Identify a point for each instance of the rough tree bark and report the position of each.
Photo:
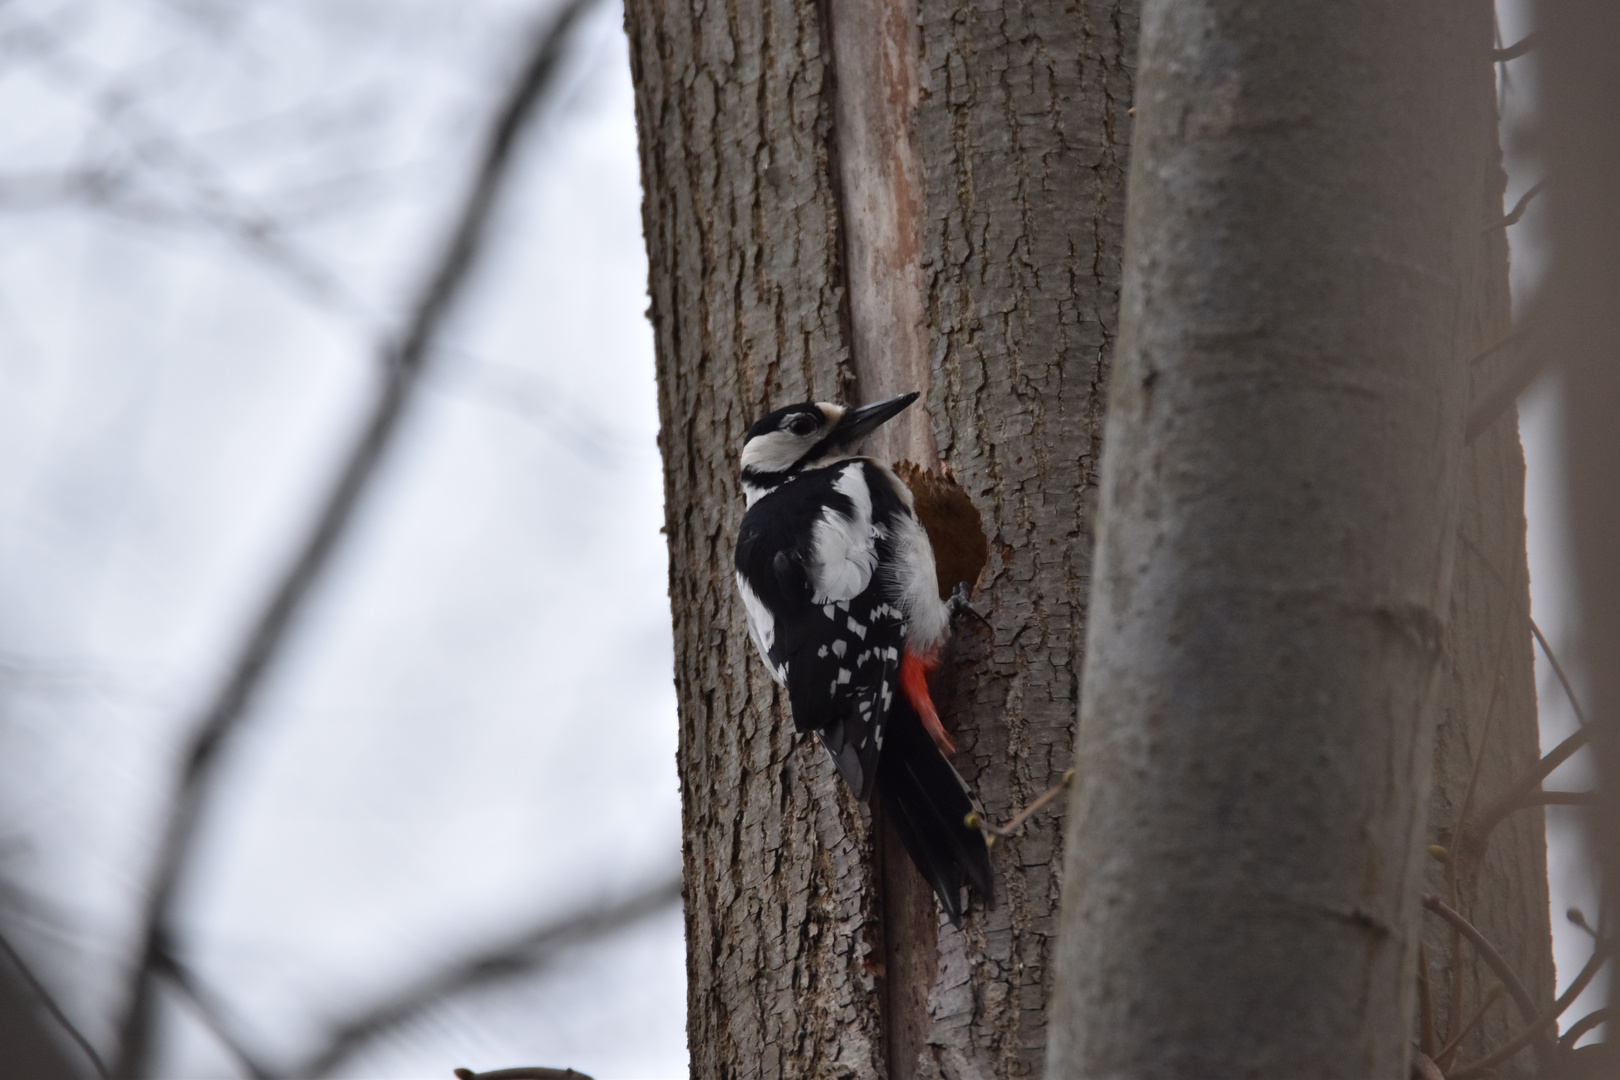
(806, 240)
(1287, 503)
(747, 310)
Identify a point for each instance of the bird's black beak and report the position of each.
(857, 424)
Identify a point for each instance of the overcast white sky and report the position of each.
(476, 727)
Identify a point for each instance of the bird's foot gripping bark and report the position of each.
(959, 605)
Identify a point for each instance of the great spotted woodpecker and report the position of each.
(838, 580)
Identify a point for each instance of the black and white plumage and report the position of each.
(837, 576)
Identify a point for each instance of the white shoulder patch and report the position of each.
(845, 547)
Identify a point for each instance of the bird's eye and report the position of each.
(801, 425)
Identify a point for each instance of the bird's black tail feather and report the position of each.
(929, 803)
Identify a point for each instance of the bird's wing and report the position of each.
(845, 672)
(837, 636)
(843, 678)
(843, 550)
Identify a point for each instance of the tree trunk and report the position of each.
(1578, 304)
(937, 207)
(1487, 736)
(1279, 622)
(1025, 142)
(783, 945)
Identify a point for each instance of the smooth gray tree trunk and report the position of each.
(1274, 636)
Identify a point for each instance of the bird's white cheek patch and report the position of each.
(774, 451)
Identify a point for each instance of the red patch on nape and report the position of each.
(914, 671)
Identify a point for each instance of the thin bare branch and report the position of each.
(1514, 51)
(1558, 670)
(974, 821)
(1447, 1052)
(1497, 346)
(1424, 1068)
(39, 991)
(1512, 217)
(1504, 971)
(1488, 407)
(1513, 798)
(571, 423)
(271, 630)
(1484, 738)
(1536, 1030)
(117, 193)
(522, 1073)
(512, 959)
(1568, 1039)
(148, 143)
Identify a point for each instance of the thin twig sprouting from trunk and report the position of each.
(1568, 1039)
(1424, 1068)
(1558, 670)
(1454, 1011)
(1449, 1051)
(991, 832)
(1497, 346)
(1426, 1039)
(1504, 971)
(1489, 406)
(1537, 1029)
(1519, 208)
(1514, 51)
(1513, 798)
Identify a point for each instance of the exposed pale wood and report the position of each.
(881, 205)
(879, 185)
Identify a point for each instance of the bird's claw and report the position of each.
(959, 605)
